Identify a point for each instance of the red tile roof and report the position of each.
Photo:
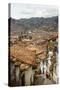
(22, 55)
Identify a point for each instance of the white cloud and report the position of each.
(32, 10)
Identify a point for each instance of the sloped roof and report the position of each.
(36, 48)
(40, 51)
(52, 36)
(24, 66)
(42, 56)
(22, 54)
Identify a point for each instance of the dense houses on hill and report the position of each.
(33, 56)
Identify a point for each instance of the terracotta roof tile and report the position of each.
(22, 54)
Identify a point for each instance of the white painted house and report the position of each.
(26, 60)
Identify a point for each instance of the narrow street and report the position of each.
(42, 80)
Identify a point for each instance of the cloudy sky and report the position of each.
(32, 10)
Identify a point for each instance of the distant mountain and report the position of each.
(24, 25)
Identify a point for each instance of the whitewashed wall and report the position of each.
(28, 76)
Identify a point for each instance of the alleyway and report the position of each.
(42, 80)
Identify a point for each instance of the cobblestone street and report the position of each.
(42, 80)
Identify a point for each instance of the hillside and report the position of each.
(34, 24)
